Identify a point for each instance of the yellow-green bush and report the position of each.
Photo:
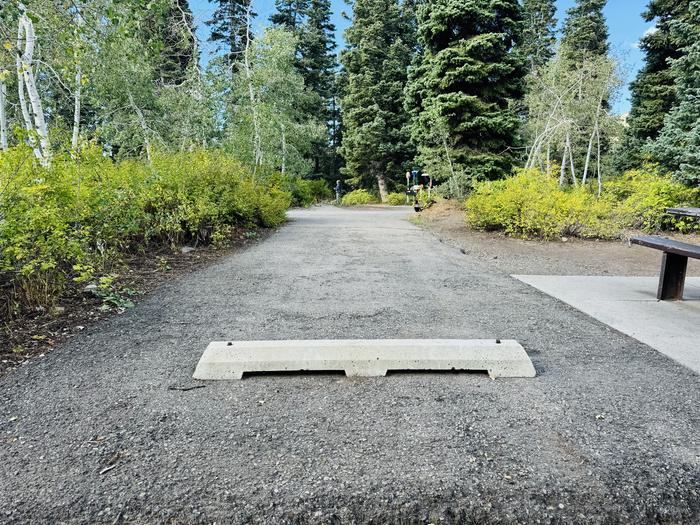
(358, 197)
(75, 219)
(531, 204)
(304, 192)
(396, 199)
(642, 197)
(320, 189)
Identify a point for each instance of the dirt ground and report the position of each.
(35, 333)
(571, 256)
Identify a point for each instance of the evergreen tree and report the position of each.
(228, 27)
(585, 30)
(653, 91)
(539, 32)
(317, 65)
(376, 145)
(317, 61)
(179, 47)
(310, 22)
(290, 14)
(461, 88)
(678, 144)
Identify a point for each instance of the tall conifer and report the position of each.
(539, 32)
(179, 50)
(376, 145)
(290, 14)
(653, 91)
(228, 27)
(678, 144)
(461, 88)
(585, 30)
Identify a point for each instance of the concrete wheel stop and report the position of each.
(367, 358)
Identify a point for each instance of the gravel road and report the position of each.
(609, 431)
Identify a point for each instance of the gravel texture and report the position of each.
(105, 430)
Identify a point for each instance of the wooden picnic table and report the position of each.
(674, 262)
(685, 212)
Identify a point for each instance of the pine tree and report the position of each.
(539, 33)
(376, 145)
(585, 30)
(310, 22)
(179, 43)
(653, 91)
(317, 65)
(290, 14)
(461, 88)
(228, 27)
(316, 49)
(678, 144)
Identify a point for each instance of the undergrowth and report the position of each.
(358, 197)
(532, 205)
(71, 223)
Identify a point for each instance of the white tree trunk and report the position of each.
(3, 117)
(257, 141)
(596, 131)
(77, 93)
(26, 80)
(284, 150)
(562, 173)
(383, 190)
(571, 159)
(584, 178)
(447, 154)
(600, 180)
(26, 117)
(76, 107)
(143, 124)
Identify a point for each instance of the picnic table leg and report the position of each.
(672, 279)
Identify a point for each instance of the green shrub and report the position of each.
(531, 204)
(358, 197)
(299, 189)
(320, 190)
(642, 197)
(304, 192)
(396, 199)
(74, 220)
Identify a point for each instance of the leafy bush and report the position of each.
(300, 190)
(531, 204)
(320, 190)
(74, 220)
(358, 197)
(304, 192)
(396, 199)
(643, 197)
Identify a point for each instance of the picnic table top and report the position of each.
(668, 245)
(687, 212)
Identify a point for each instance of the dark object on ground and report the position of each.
(186, 388)
(674, 263)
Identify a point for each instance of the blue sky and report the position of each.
(624, 21)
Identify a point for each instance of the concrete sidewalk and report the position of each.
(629, 305)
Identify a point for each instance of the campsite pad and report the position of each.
(629, 305)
